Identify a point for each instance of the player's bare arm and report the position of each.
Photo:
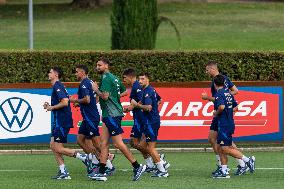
(205, 96)
(102, 95)
(63, 103)
(234, 90)
(85, 100)
(219, 110)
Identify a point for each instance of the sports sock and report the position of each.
(102, 168)
(149, 162)
(160, 166)
(224, 168)
(95, 159)
(109, 164)
(218, 160)
(62, 168)
(135, 165)
(245, 159)
(81, 157)
(240, 162)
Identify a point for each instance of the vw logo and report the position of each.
(16, 114)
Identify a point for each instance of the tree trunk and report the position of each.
(86, 3)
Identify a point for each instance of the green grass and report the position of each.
(207, 26)
(188, 170)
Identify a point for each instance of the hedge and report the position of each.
(24, 66)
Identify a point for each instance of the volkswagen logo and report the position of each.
(16, 114)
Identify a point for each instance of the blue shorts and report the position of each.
(151, 131)
(113, 125)
(137, 129)
(214, 124)
(224, 138)
(89, 128)
(60, 134)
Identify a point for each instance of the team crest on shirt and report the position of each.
(84, 87)
(138, 90)
(58, 90)
(146, 95)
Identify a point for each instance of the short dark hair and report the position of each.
(211, 63)
(145, 74)
(219, 80)
(58, 70)
(129, 72)
(105, 60)
(83, 67)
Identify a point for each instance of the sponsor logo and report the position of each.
(16, 113)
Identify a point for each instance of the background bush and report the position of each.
(162, 66)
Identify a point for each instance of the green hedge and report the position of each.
(163, 66)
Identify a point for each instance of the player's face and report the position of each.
(210, 70)
(79, 73)
(127, 79)
(101, 67)
(143, 81)
(52, 75)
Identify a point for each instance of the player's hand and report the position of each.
(45, 105)
(215, 113)
(95, 86)
(128, 109)
(204, 96)
(49, 108)
(72, 99)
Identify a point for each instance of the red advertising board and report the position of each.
(186, 117)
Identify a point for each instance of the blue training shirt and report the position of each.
(62, 117)
(89, 111)
(227, 85)
(137, 95)
(150, 98)
(226, 118)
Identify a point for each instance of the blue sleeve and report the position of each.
(139, 93)
(60, 92)
(147, 98)
(219, 101)
(158, 97)
(230, 83)
(85, 89)
(235, 103)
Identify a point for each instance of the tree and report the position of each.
(86, 3)
(135, 24)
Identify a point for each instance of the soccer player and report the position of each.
(88, 136)
(110, 90)
(224, 107)
(212, 70)
(137, 138)
(151, 120)
(62, 122)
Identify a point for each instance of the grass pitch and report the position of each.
(188, 170)
(206, 26)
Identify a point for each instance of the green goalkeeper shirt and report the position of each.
(112, 106)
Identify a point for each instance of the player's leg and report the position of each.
(62, 173)
(148, 159)
(248, 163)
(212, 138)
(151, 134)
(240, 162)
(114, 126)
(223, 171)
(101, 175)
